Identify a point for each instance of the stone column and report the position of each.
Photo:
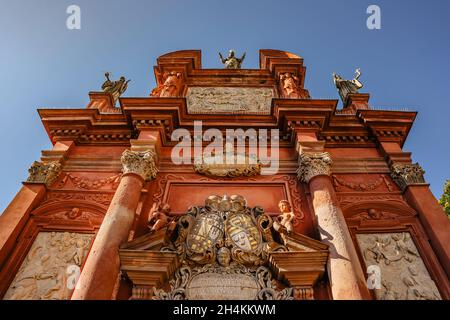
(346, 276)
(102, 266)
(409, 177)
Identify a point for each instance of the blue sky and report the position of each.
(45, 65)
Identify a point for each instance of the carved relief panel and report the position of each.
(51, 267)
(397, 267)
(229, 100)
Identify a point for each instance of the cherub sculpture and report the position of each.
(286, 217)
(159, 217)
(116, 88)
(231, 62)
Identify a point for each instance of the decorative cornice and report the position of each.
(141, 163)
(46, 173)
(313, 164)
(405, 174)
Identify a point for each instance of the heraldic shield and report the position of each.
(205, 233)
(242, 231)
(223, 222)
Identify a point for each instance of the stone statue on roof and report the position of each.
(231, 62)
(346, 87)
(116, 88)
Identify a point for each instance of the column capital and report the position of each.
(405, 174)
(142, 163)
(311, 164)
(45, 173)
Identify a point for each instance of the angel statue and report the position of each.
(231, 62)
(346, 87)
(116, 88)
(285, 218)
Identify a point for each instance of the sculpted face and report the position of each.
(284, 206)
(242, 241)
(373, 213)
(224, 257)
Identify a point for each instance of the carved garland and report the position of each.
(362, 186)
(88, 184)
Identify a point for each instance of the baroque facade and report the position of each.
(125, 207)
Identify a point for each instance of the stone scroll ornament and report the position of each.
(46, 173)
(405, 174)
(141, 163)
(224, 247)
(313, 164)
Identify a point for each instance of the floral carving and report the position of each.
(313, 164)
(141, 163)
(46, 173)
(406, 174)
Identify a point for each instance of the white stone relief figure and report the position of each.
(403, 272)
(389, 293)
(43, 274)
(402, 247)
